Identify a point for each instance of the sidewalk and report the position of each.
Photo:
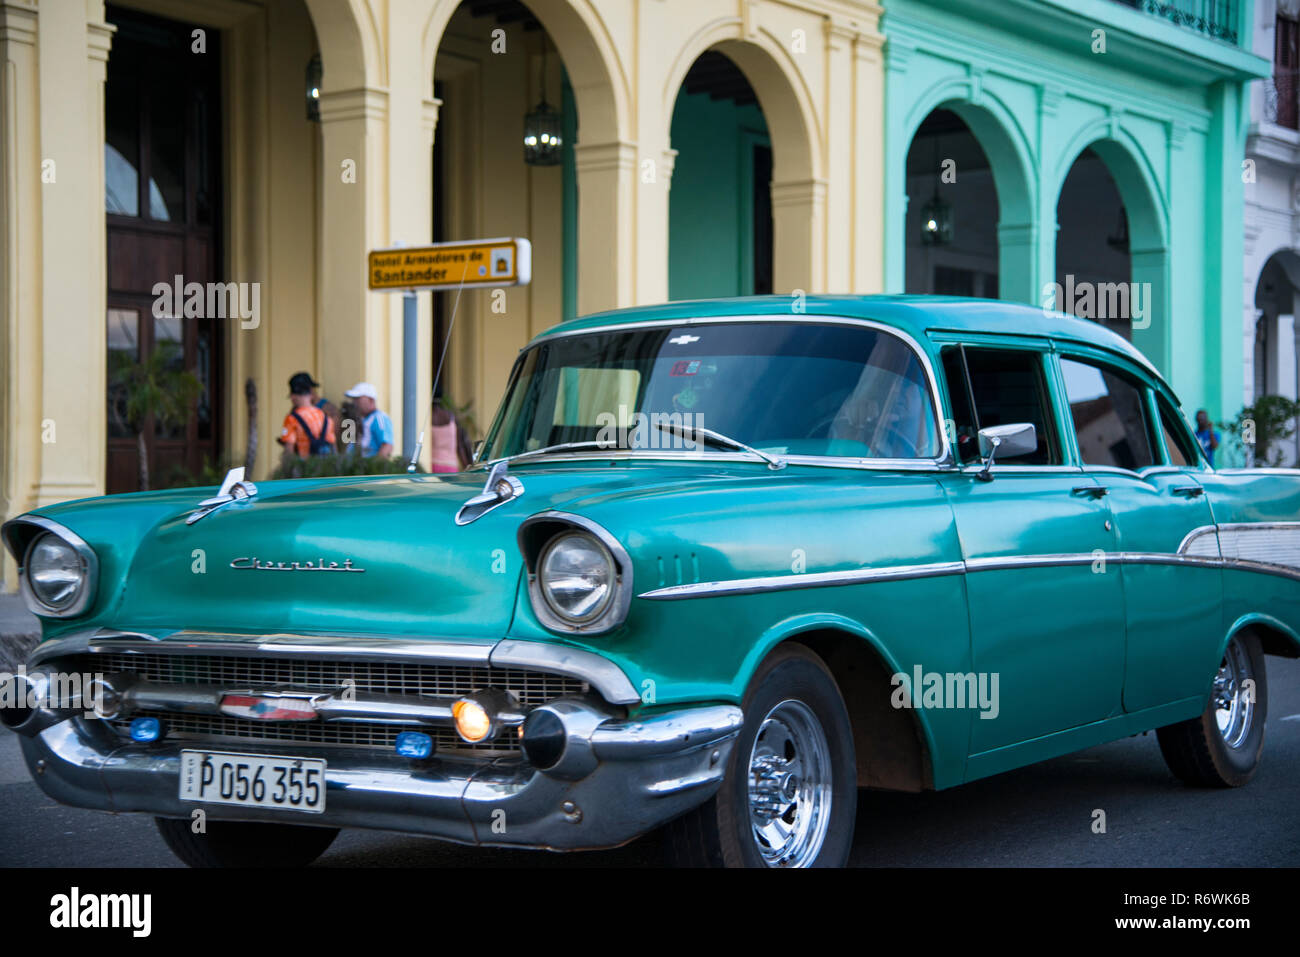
(19, 632)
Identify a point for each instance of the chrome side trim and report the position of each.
(851, 576)
(602, 674)
(855, 576)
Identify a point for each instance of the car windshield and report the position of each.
(787, 388)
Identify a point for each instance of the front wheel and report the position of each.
(1221, 748)
(789, 798)
(245, 843)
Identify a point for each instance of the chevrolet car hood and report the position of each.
(369, 555)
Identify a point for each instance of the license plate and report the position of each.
(256, 780)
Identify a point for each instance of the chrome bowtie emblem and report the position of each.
(683, 340)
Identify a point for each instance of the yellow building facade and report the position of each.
(117, 173)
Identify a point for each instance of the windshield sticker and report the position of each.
(686, 367)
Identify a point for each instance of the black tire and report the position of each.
(245, 843)
(1197, 751)
(720, 832)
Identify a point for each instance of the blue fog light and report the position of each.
(414, 744)
(146, 729)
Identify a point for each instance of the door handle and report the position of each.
(1092, 491)
(1190, 491)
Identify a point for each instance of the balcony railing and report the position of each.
(1214, 18)
(1282, 99)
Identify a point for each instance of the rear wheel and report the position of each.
(789, 798)
(245, 843)
(1221, 747)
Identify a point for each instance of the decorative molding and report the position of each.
(18, 22)
(593, 157)
(798, 193)
(359, 103)
(1050, 96)
(99, 40)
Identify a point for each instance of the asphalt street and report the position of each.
(1037, 816)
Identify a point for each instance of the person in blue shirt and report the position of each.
(1206, 435)
(376, 426)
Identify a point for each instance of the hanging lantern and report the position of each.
(936, 222)
(314, 74)
(543, 130)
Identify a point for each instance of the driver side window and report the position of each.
(999, 387)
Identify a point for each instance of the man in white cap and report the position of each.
(376, 426)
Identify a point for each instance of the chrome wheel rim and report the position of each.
(790, 786)
(1234, 695)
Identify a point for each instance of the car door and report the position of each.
(1132, 443)
(1043, 619)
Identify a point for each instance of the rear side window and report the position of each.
(1109, 416)
(999, 387)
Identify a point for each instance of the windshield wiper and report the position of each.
(562, 447)
(718, 439)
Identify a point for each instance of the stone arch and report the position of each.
(1000, 134)
(597, 75)
(604, 150)
(798, 174)
(1148, 226)
(349, 43)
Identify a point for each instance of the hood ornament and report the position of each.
(500, 487)
(233, 489)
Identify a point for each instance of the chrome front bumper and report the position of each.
(621, 778)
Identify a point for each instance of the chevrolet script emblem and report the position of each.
(320, 565)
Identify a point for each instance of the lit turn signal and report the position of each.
(473, 723)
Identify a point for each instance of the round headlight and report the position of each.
(576, 575)
(55, 572)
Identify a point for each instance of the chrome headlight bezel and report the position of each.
(23, 535)
(538, 536)
(609, 572)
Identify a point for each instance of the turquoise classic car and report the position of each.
(718, 566)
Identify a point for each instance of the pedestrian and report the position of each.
(376, 426)
(1206, 435)
(307, 429)
(449, 446)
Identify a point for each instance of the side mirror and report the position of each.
(1019, 438)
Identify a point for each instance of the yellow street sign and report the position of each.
(478, 262)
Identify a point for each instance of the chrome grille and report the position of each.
(531, 688)
(338, 734)
(316, 674)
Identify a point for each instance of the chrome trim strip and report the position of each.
(747, 586)
(943, 459)
(602, 674)
(89, 561)
(474, 652)
(851, 576)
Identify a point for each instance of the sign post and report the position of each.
(470, 264)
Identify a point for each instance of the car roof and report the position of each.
(916, 315)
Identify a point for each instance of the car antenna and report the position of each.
(446, 341)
